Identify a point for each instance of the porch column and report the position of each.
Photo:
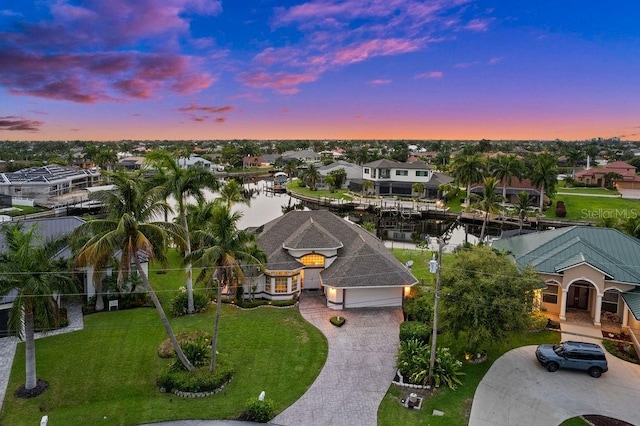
(598, 310)
(625, 315)
(563, 305)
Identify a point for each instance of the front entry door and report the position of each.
(578, 297)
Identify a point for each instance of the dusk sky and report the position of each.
(329, 69)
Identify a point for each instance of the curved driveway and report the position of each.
(359, 368)
(518, 391)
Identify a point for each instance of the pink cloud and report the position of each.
(373, 48)
(209, 109)
(477, 25)
(378, 82)
(466, 64)
(495, 60)
(13, 123)
(280, 81)
(431, 74)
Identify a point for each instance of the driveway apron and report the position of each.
(359, 368)
(518, 391)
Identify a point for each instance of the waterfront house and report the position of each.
(628, 179)
(352, 170)
(317, 250)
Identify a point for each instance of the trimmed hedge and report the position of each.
(258, 411)
(174, 377)
(415, 330)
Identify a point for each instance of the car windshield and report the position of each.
(558, 349)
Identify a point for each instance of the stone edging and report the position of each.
(183, 394)
(262, 306)
(408, 385)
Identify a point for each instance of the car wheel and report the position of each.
(595, 372)
(552, 366)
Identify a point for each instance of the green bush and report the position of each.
(258, 411)
(414, 330)
(201, 380)
(413, 363)
(419, 308)
(165, 350)
(538, 321)
(197, 351)
(179, 304)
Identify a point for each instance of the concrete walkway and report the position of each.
(8, 345)
(359, 368)
(518, 391)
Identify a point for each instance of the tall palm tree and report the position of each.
(468, 169)
(128, 228)
(27, 267)
(290, 168)
(574, 155)
(311, 176)
(224, 250)
(232, 192)
(544, 175)
(505, 168)
(489, 201)
(183, 183)
(367, 186)
(522, 207)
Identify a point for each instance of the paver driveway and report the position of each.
(518, 391)
(358, 371)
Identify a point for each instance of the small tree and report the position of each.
(486, 296)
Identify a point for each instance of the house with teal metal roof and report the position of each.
(585, 268)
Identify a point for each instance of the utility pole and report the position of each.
(435, 267)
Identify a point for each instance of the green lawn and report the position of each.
(455, 404)
(562, 187)
(105, 374)
(339, 194)
(24, 210)
(592, 208)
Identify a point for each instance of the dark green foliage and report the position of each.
(413, 363)
(197, 351)
(414, 330)
(486, 296)
(179, 304)
(337, 321)
(419, 308)
(258, 411)
(248, 304)
(200, 380)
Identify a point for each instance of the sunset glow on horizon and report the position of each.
(319, 69)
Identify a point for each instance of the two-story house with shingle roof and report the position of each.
(319, 250)
(393, 178)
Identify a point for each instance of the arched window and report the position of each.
(312, 260)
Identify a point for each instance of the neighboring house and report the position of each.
(513, 191)
(589, 269)
(304, 155)
(353, 171)
(252, 161)
(131, 163)
(319, 250)
(42, 183)
(193, 161)
(51, 228)
(270, 159)
(393, 178)
(596, 176)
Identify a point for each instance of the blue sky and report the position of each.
(381, 69)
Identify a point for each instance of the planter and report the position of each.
(338, 321)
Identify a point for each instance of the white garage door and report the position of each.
(372, 297)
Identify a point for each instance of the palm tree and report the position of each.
(367, 185)
(232, 192)
(290, 168)
(544, 175)
(574, 155)
(27, 267)
(311, 176)
(505, 168)
(522, 206)
(224, 250)
(106, 158)
(128, 228)
(489, 201)
(468, 169)
(630, 226)
(418, 188)
(181, 184)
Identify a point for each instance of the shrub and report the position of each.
(419, 308)
(258, 411)
(414, 330)
(538, 321)
(199, 380)
(179, 304)
(197, 351)
(165, 350)
(413, 363)
(561, 210)
(337, 321)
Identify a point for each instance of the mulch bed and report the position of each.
(41, 386)
(616, 336)
(605, 421)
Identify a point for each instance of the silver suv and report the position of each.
(575, 355)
